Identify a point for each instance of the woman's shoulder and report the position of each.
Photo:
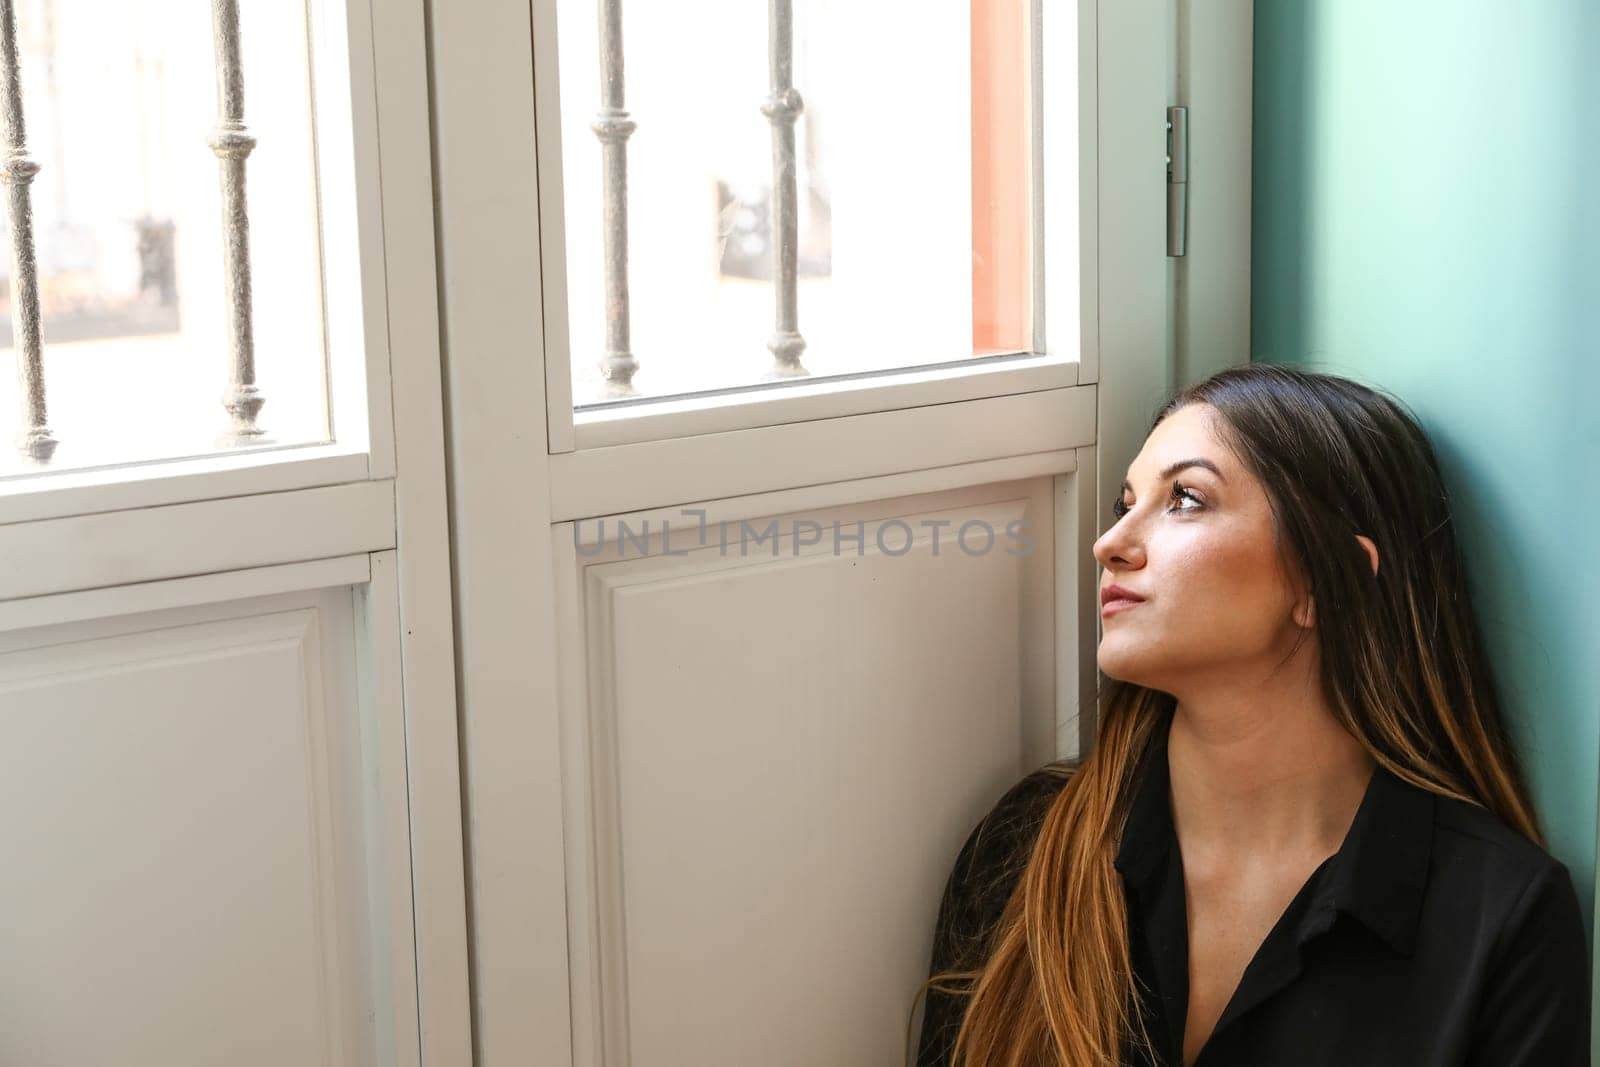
(1507, 905)
(1478, 854)
(1473, 840)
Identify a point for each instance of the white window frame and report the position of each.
(1056, 363)
(362, 295)
(150, 535)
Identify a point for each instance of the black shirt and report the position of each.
(1435, 935)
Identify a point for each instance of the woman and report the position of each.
(1303, 836)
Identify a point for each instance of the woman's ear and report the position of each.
(1372, 551)
(1305, 612)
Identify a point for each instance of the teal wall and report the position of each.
(1425, 181)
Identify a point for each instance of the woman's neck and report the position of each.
(1263, 774)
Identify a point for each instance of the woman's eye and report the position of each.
(1180, 493)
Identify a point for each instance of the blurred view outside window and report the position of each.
(913, 164)
(120, 101)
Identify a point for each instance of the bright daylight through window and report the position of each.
(827, 187)
(164, 161)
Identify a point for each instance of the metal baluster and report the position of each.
(232, 145)
(17, 171)
(613, 126)
(782, 109)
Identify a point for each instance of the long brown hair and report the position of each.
(1403, 669)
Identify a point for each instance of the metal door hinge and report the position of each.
(1177, 180)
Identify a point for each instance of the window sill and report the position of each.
(638, 421)
(52, 495)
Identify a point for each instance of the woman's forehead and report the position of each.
(1190, 433)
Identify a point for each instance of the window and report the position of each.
(193, 184)
(765, 195)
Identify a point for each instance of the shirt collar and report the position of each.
(1381, 872)
(1377, 877)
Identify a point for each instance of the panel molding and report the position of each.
(394, 816)
(589, 593)
(342, 615)
(39, 659)
(141, 597)
(1077, 615)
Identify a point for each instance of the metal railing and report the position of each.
(17, 171)
(232, 144)
(782, 106)
(613, 126)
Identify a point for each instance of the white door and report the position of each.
(228, 750)
(745, 652)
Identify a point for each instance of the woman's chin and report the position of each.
(1121, 663)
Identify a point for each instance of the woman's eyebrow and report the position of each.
(1182, 464)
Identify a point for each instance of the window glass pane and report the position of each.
(121, 103)
(913, 162)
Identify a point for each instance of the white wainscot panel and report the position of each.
(774, 752)
(185, 881)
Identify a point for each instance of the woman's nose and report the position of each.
(1117, 550)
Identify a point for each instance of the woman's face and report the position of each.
(1197, 544)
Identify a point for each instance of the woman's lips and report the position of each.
(1112, 607)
